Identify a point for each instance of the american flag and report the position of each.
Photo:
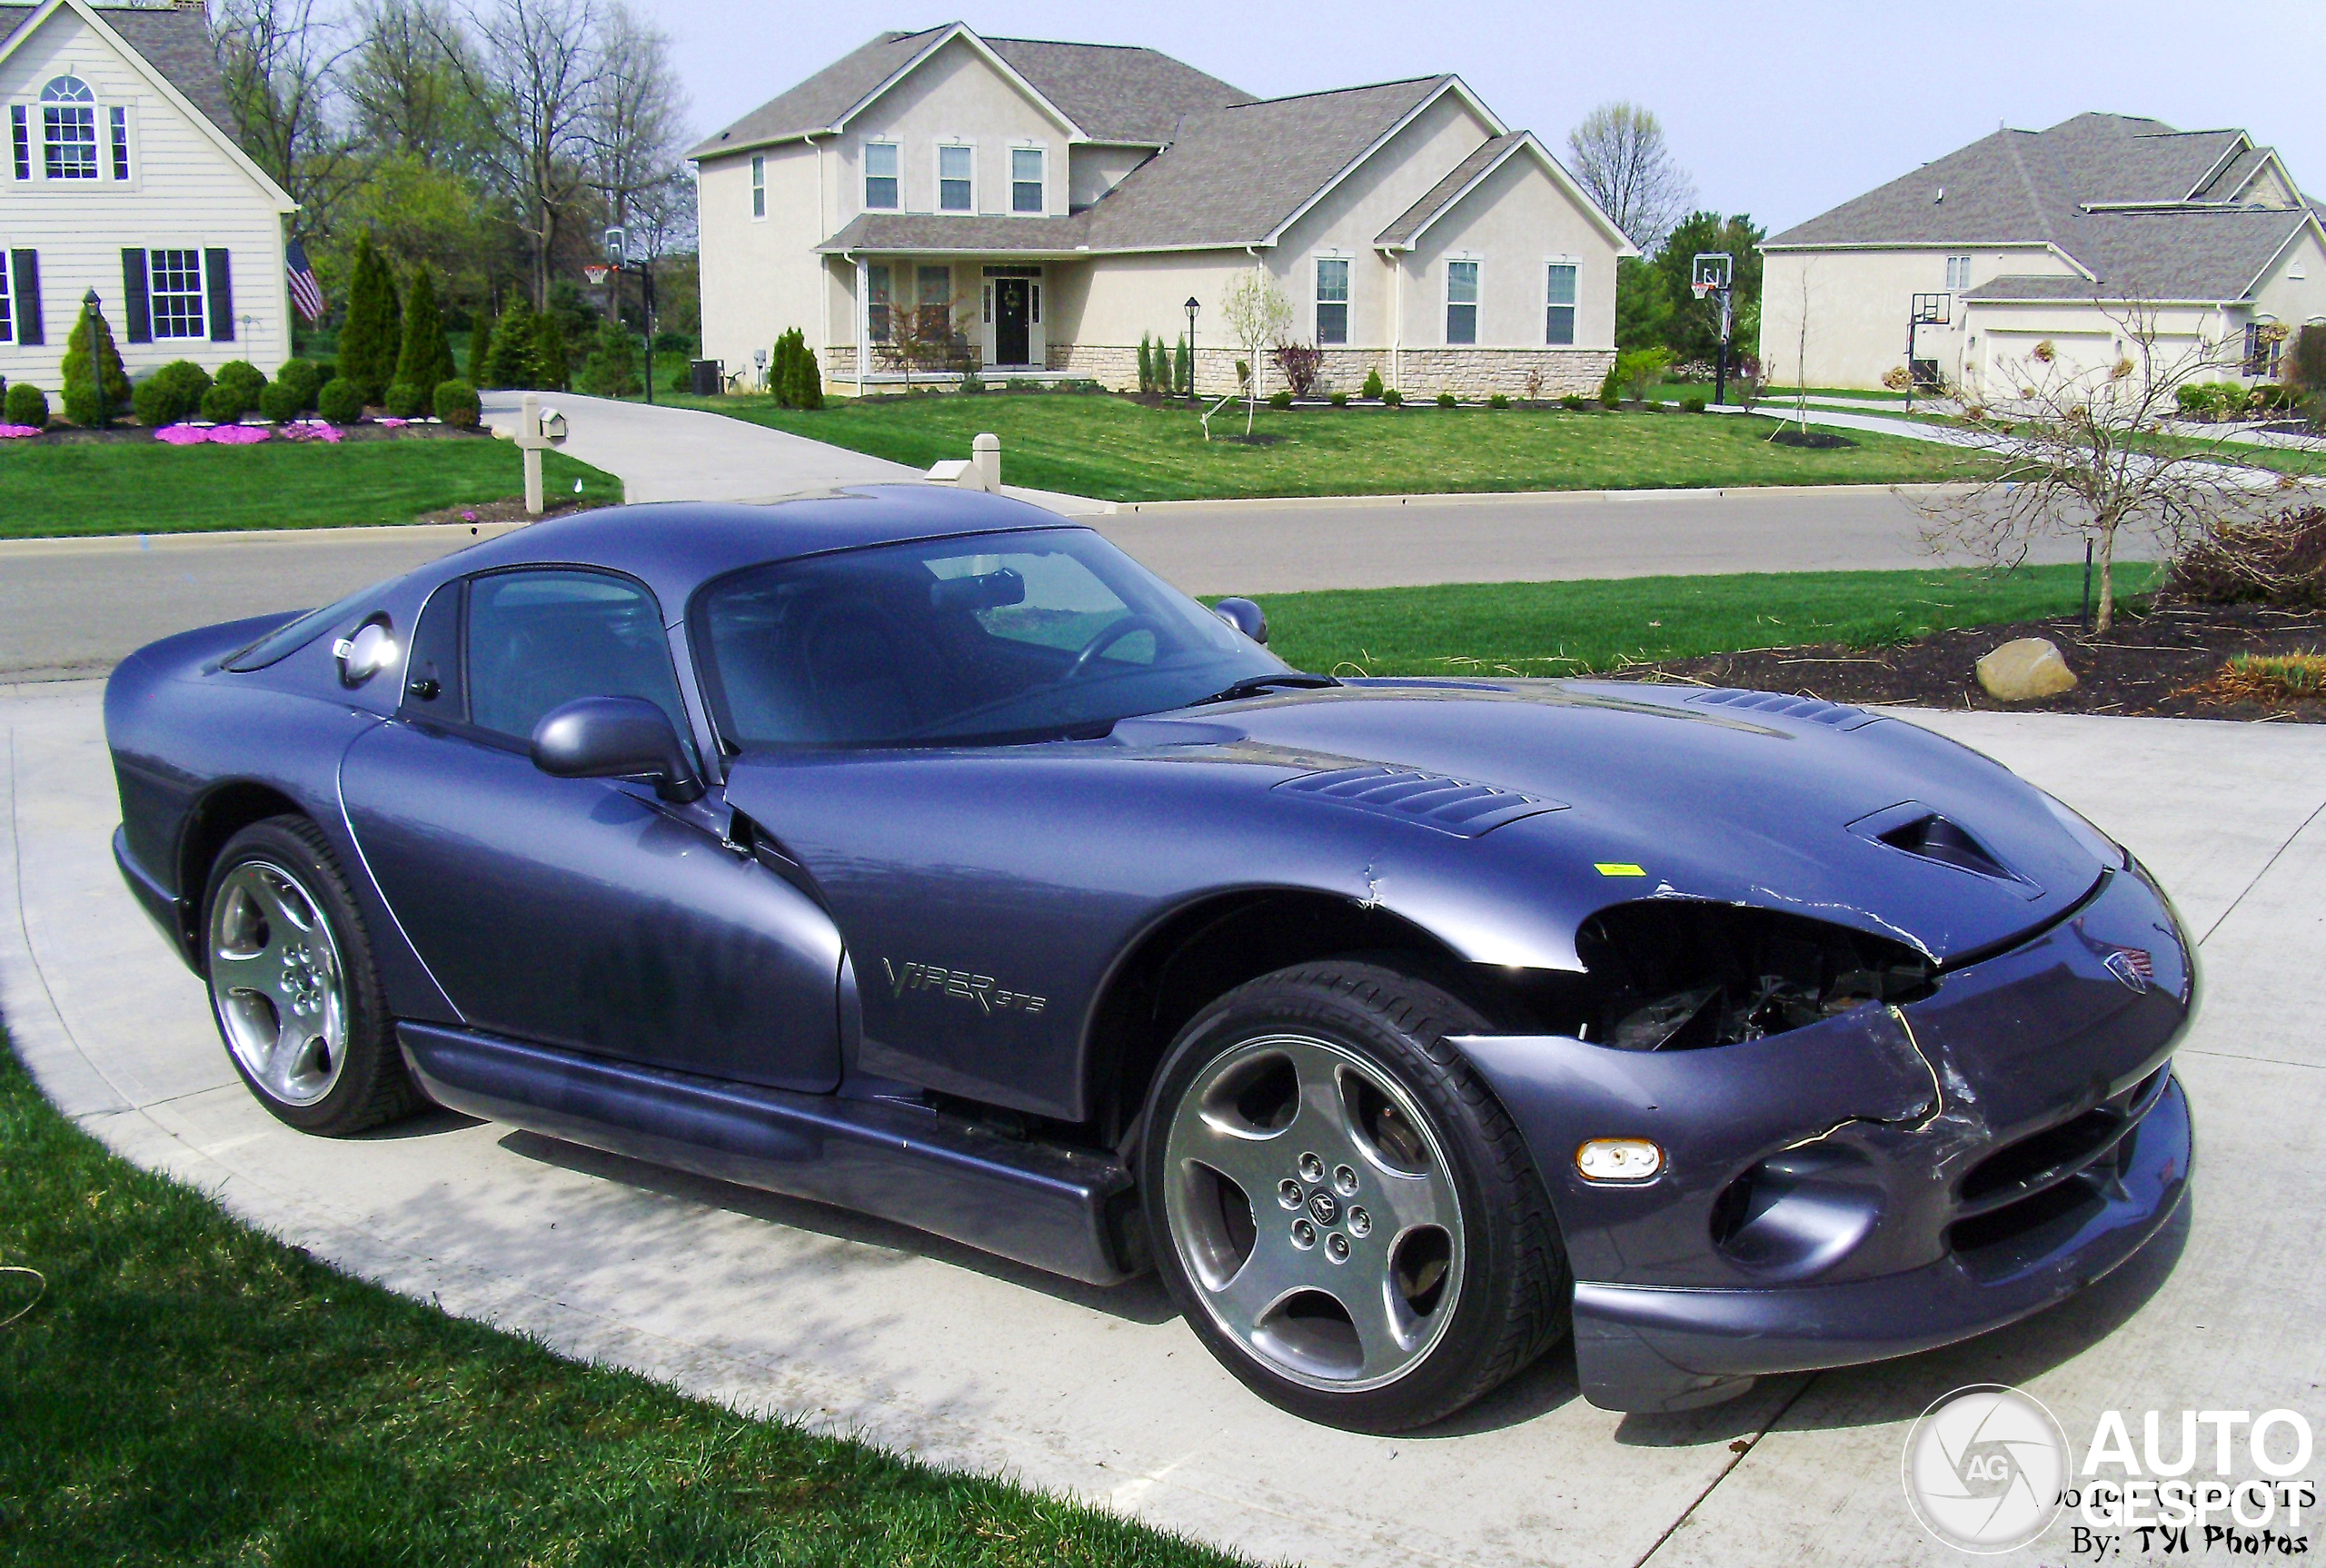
(306, 292)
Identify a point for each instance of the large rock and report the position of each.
(2025, 668)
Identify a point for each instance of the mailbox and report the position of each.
(552, 427)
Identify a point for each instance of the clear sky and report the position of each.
(1779, 108)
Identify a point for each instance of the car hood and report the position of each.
(1602, 792)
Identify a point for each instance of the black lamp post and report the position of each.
(96, 309)
(1192, 308)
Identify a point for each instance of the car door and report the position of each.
(581, 913)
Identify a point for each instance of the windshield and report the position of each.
(956, 641)
(284, 640)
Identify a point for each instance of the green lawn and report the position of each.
(1118, 450)
(188, 1391)
(148, 487)
(1573, 628)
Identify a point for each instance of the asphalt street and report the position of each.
(779, 1307)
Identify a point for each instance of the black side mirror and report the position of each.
(615, 737)
(1245, 617)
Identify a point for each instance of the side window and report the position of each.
(1027, 190)
(538, 639)
(758, 186)
(880, 175)
(1461, 301)
(1332, 299)
(1558, 313)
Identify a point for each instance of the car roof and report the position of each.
(674, 547)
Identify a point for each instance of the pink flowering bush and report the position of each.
(239, 434)
(18, 432)
(182, 434)
(310, 430)
(387, 422)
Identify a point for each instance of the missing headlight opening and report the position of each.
(1666, 975)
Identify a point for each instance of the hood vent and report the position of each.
(1839, 715)
(1916, 829)
(1453, 806)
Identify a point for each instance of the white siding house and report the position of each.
(120, 177)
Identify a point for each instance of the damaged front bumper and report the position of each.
(1878, 1183)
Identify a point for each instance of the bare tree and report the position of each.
(281, 62)
(409, 94)
(636, 126)
(538, 66)
(1258, 316)
(2094, 450)
(1619, 155)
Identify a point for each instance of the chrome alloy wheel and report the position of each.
(277, 984)
(1314, 1212)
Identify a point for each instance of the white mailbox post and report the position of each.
(537, 429)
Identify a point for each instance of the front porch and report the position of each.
(938, 320)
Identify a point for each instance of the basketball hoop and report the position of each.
(596, 274)
(1700, 290)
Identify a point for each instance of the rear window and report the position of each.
(287, 639)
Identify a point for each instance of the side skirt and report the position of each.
(1039, 1204)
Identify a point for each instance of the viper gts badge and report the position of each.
(978, 988)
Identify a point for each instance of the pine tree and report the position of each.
(480, 350)
(512, 364)
(370, 338)
(1184, 373)
(779, 377)
(426, 360)
(1146, 363)
(552, 361)
(92, 343)
(612, 368)
(807, 375)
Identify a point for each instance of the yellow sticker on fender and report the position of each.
(1621, 868)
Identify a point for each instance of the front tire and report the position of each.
(1344, 1215)
(293, 986)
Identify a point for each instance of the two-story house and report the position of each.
(123, 178)
(2068, 235)
(1046, 204)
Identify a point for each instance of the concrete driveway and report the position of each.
(777, 1307)
(684, 454)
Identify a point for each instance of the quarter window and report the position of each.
(68, 130)
(880, 175)
(758, 186)
(956, 180)
(1558, 313)
(119, 118)
(1461, 301)
(539, 640)
(1026, 180)
(1332, 299)
(174, 287)
(876, 303)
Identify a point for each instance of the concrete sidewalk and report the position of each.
(775, 1306)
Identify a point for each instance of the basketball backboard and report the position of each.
(1710, 270)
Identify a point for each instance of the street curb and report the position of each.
(444, 533)
(1525, 497)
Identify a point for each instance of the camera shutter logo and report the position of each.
(1984, 1468)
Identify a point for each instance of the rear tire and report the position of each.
(1342, 1210)
(293, 986)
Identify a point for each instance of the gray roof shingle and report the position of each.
(934, 234)
(2015, 187)
(1114, 92)
(175, 40)
(1435, 199)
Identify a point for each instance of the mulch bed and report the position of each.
(511, 510)
(2158, 663)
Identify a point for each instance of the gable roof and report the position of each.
(1105, 93)
(1408, 227)
(174, 41)
(2123, 200)
(181, 67)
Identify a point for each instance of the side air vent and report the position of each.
(1450, 805)
(1916, 829)
(1840, 715)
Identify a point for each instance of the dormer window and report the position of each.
(880, 175)
(68, 130)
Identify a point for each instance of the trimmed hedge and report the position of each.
(341, 400)
(26, 404)
(457, 404)
(171, 394)
(280, 403)
(404, 401)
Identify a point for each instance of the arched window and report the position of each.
(68, 129)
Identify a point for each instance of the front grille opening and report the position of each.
(1986, 1232)
(2029, 1157)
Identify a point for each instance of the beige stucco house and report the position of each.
(2025, 236)
(1049, 203)
(122, 176)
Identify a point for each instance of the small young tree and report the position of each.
(552, 362)
(373, 337)
(2094, 450)
(1258, 316)
(512, 362)
(779, 370)
(426, 356)
(480, 351)
(91, 361)
(612, 368)
(806, 376)
(1183, 372)
(1146, 362)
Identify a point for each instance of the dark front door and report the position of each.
(1012, 344)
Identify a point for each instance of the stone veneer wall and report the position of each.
(1471, 374)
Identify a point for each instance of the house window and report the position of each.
(8, 305)
(933, 294)
(173, 288)
(876, 304)
(1026, 180)
(956, 180)
(758, 186)
(1461, 301)
(120, 123)
(1958, 274)
(1332, 299)
(21, 136)
(68, 130)
(880, 175)
(1558, 308)
(2261, 348)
